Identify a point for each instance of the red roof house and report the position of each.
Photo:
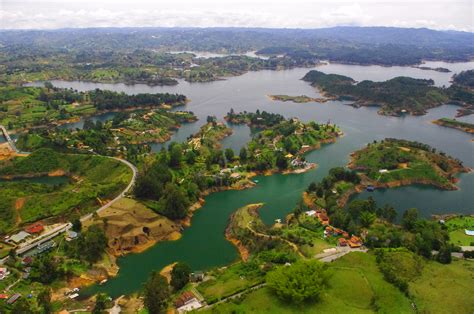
(36, 228)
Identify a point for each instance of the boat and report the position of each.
(370, 188)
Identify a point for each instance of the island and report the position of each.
(395, 162)
(455, 124)
(297, 99)
(394, 97)
(282, 143)
(27, 107)
(128, 133)
(439, 69)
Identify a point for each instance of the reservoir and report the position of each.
(203, 245)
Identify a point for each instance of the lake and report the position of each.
(203, 244)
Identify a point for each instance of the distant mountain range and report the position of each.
(362, 45)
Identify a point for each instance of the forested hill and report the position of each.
(365, 45)
(395, 96)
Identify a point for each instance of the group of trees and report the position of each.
(414, 95)
(89, 246)
(106, 100)
(157, 291)
(324, 188)
(302, 281)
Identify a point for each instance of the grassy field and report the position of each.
(445, 288)
(230, 280)
(93, 180)
(457, 227)
(356, 286)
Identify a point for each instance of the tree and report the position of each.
(88, 124)
(156, 294)
(304, 280)
(176, 154)
(409, 219)
(243, 154)
(77, 225)
(44, 300)
(21, 306)
(444, 254)
(45, 269)
(100, 303)
(175, 202)
(89, 246)
(229, 154)
(180, 275)
(367, 218)
(281, 161)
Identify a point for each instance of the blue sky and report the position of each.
(40, 14)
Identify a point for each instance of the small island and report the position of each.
(455, 124)
(297, 99)
(281, 143)
(438, 69)
(396, 96)
(394, 162)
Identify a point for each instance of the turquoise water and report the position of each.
(203, 244)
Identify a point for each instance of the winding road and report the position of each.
(121, 195)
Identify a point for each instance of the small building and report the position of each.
(383, 171)
(71, 235)
(3, 296)
(196, 276)
(323, 217)
(35, 228)
(310, 213)
(370, 188)
(355, 242)
(187, 302)
(46, 246)
(289, 156)
(469, 232)
(235, 175)
(19, 237)
(4, 272)
(27, 260)
(342, 242)
(14, 298)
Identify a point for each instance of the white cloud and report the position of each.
(440, 14)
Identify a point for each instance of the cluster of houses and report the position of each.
(38, 238)
(329, 231)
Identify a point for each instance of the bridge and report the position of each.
(9, 139)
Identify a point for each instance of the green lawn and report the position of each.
(229, 281)
(445, 288)
(457, 227)
(356, 286)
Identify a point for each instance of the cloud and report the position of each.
(30, 14)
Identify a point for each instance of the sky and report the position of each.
(52, 14)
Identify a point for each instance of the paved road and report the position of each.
(9, 139)
(121, 195)
(124, 192)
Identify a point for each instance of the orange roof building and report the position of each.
(36, 228)
(342, 242)
(355, 242)
(184, 299)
